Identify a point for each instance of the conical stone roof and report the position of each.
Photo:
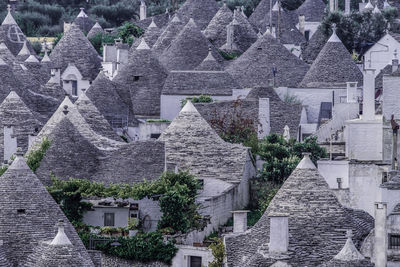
(3, 257)
(141, 82)
(75, 48)
(188, 49)
(192, 144)
(24, 53)
(6, 54)
(202, 11)
(209, 64)
(151, 34)
(9, 81)
(311, 50)
(258, 17)
(255, 66)
(317, 222)
(95, 30)
(173, 28)
(103, 94)
(12, 35)
(313, 10)
(83, 21)
(333, 67)
(29, 214)
(216, 29)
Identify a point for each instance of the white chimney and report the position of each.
(143, 10)
(239, 221)
(380, 234)
(352, 92)
(264, 126)
(347, 10)
(55, 76)
(369, 95)
(278, 234)
(10, 143)
(395, 64)
(302, 24)
(333, 5)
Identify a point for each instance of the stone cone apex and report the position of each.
(349, 252)
(376, 10)
(12, 95)
(82, 13)
(175, 19)
(61, 238)
(24, 50)
(97, 25)
(32, 58)
(19, 162)
(153, 24)
(189, 108)
(386, 4)
(369, 6)
(306, 162)
(9, 19)
(143, 45)
(46, 57)
(276, 7)
(334, 38)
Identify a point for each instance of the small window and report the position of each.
(384, 177)
(74, 88)
(134, 215)
(136, 78)
(307, 35)
(21, 211)
(109, 219)
(155, 136)
(394, 241)
(195, 261)
(339, 183)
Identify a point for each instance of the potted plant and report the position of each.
(133, 224)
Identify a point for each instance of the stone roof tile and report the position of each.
(216, 29)
(313, 10)
(168, 35)
(202, 11)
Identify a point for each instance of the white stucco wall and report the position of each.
(294, 49)
(264, 118)
(364, 139)
(10, 143)
(391, 96)
(381, 54)
(146, 129)
(96, 217)
(182, 257)
(72, 71)
(331, 170)
(312, 98)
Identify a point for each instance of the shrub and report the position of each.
(218, 251)
(36, 155)
(197, 99)
(37, 46)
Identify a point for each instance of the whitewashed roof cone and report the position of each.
(334, 38)
(97, 25)
(46, 57)
(306, 162)
(143, 45)
(189, 107)
(376, 10)
(61, 238)
(349, 251)
(9, 19)
(24, 50)
(153, 24)
(386, 4)
(32, 58)
(369, 6)
(82, 14)
(175, 19)
(276, 6)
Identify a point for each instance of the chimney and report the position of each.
(278, 234)
(369, 95)
(55, 76)
(239, 221)
(347, 9)
(361, 6)
(230, 35)
(67, 26)
(352, 92)
(143, 10)
(333, 5)
(380, 234)
(10, 143)
(264, 126)
(395, 62)
(302, 24)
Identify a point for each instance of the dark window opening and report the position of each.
(394, 241)
(195, 261)
(155, 136)
(384, 177)
(307, 35)
(21, 211)
(201, 183)
(109, 219)
(134, 215)
(75, 88)
(136, 78)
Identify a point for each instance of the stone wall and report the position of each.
(111, 261)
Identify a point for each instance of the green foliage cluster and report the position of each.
(36, 155)
(229, 56)
(177, 193)
(197, 99)
(218, 251)
(144, 247)
(281, 157)
(127, 33)
(359, 30)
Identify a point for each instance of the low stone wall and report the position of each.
(111, 261)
